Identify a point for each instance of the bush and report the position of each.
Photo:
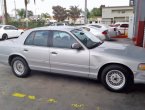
(31, 24)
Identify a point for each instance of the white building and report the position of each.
(116, 14)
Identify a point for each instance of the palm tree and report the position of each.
(5, 12)
(21, 13)
(26, 3)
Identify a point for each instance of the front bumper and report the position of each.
(139, 77)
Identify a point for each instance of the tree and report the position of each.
(95, 12)
(60, 13)
(88, 14)
(5, 13)
(21, 13)
(30, 13)
(45, 15)
(74, 12)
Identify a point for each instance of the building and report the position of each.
(116, 14)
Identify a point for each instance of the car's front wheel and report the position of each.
(20, 67)
(117, 78)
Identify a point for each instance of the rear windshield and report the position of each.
(97, 26)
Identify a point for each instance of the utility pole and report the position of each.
(26, 9)
(2, 11)
(15, 9)
(85, 20)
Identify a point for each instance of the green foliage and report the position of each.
(45, 15)
(74, 12)
(32, 24)
(88, 14)
(60, 13)
(95, 12)
(22, 13)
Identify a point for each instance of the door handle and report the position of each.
(25, 50)
(53, 53)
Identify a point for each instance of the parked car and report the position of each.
(122, 27)
(9, 31)
(72, 51)
(113, 31)
(101, 34)
(59, 24)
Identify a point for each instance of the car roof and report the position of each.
(66, 28)
(89, 26)
(4, 25)
(122, 23)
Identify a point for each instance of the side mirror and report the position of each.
(76, 46)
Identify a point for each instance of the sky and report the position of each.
(43, 6)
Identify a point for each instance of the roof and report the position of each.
(118, 7)
(67, 28)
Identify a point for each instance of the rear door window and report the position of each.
(38, 38)
(7, 28)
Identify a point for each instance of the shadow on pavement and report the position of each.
(137, 88)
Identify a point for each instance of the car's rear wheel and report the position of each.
(117, 78)
(4, 36)
(20, 67)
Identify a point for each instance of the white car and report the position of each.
(9, 31)
(73, 51)
(59, 24)
(122, 27)
(101, 34)
(113, 31)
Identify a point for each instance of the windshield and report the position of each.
(88, 39)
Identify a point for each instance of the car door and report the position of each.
(64, 59)
(16, 32)
(36, 50)
(8, 31)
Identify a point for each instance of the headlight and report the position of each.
(141, 66)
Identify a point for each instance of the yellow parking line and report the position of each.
(51, 100)
(31, 97)
(19, 95)
(77, 105)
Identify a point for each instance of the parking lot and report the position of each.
(48, 91)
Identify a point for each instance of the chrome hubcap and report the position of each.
(18, 67)
(115, 79)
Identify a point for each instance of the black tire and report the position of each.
(4, 36)
(125, 78)
(108, 38)
(24, 65)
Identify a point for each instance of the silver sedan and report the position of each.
(72, 51)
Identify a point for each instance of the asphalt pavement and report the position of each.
(48, 91)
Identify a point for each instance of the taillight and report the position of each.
(105, 32)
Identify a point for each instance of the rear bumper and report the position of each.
(139, 77)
